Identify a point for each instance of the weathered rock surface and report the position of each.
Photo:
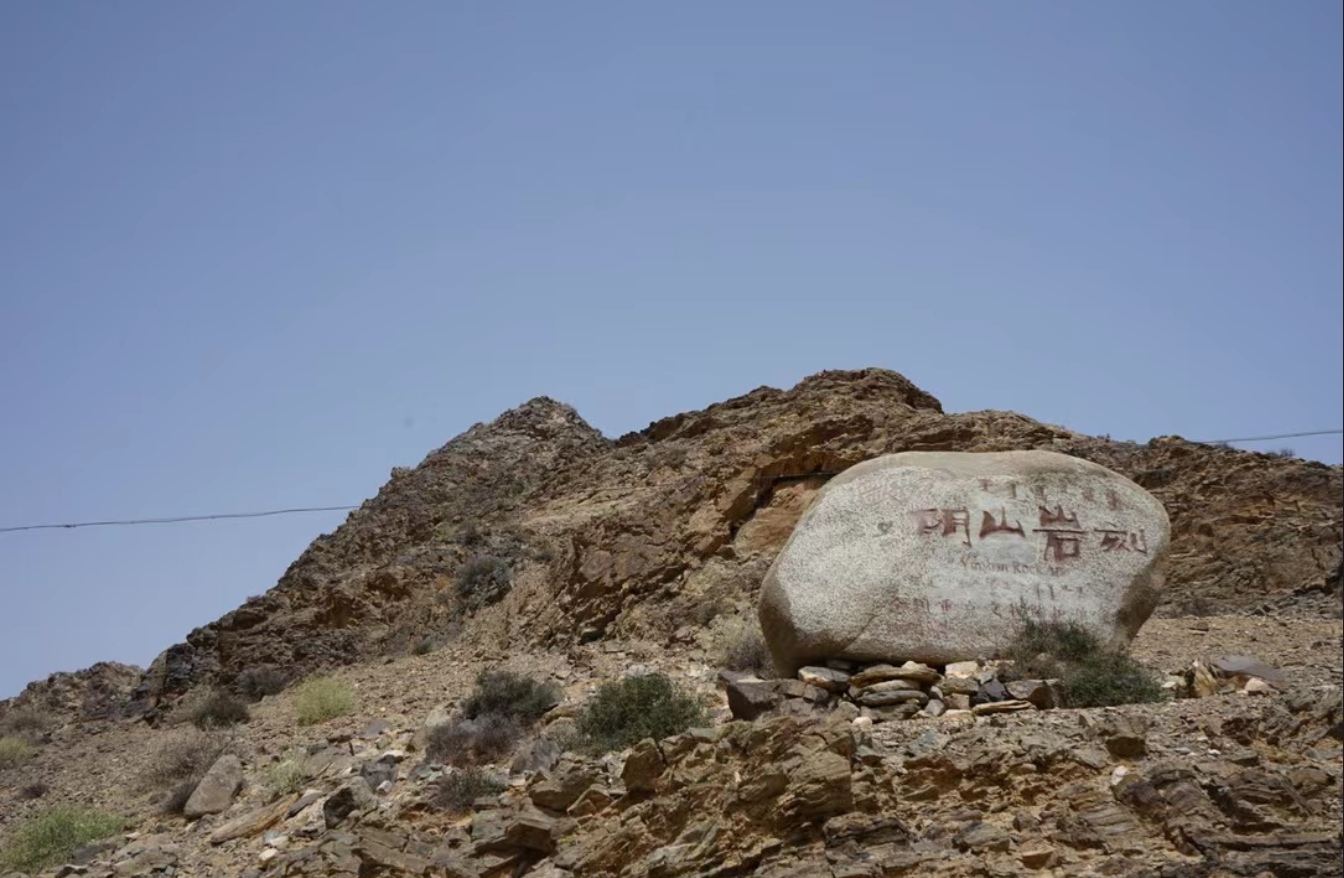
(935, 556)
(611, 551)
(706, 499)
(216, 790)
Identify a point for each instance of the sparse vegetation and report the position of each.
(742, 648)
(634, 708)
(176, 800)
(456, 792)
(49, 837)
(423, 646)
(465, 742)
(1061, 641)
(499, 710)
(218, 709)
(707, 612)
(1282, 452)
(1090, 675)
(288, 775)
(506, 694)
(482, 580)
(1105, 679)
(256, 683)
(26, 723)
(35, 790)
(14, 752)
(186, 756)
(319, 699)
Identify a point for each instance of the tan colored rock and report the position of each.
(1257, 686)
(961, 669)
(643, 766)
(825, 678)
(1036, 855)
(821, 786)
(973, 536)
(1010, 706)
(254, 822)
(216, 790)
(915, 672)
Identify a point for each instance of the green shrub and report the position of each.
(510, 695)
(482, 580)
(1090, 675)
(456, 792)
(14, 752)
(28, 723)
(288, 775)
(319, 699)
(634, 708)
(256, 683)
(1108, 679)
(49, 837)
(487, 738)
(218, 709)
(1064, 641)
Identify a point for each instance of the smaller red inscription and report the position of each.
(1123, 540)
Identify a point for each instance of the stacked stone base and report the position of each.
(885, 692)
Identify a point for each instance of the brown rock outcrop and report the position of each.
(572, 537)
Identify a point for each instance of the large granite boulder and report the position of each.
(939, 556)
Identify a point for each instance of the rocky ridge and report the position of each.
(603, 538)
(591, 559)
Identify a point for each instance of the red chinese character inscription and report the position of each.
(945, 522)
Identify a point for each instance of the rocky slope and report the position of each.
(533, 543)
(1230, 785)
(595, 538)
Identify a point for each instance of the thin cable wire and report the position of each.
(1277, 436)
(129, 522)
(177, 519)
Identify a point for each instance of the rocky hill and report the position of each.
(573, 537)
(533, 544)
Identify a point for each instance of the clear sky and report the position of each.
(256, 254)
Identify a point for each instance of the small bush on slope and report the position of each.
(288, 775)
(49, 837)
(499, 710)
(218, 709)
(256, 683)
(14, 752)
(319, 699)
(27, 723)
(456, 792)
(482, 580)
(510, 695)
(463, 742)
(743, 649)
(634, 708)
(1091, 676)
(179, 764)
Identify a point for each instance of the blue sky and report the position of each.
(255, 255)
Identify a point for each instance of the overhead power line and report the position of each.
(178, 519)
(1276, 436)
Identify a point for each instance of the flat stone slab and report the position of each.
(938, 557)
